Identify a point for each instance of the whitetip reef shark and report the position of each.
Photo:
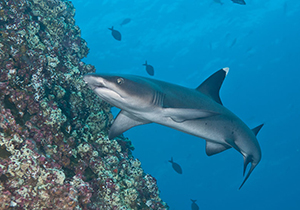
(198, 112)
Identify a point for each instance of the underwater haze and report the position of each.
(186, 41)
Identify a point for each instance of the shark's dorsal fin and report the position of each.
(123, 122)
(214, 148)
(257, 129)
(211, 86)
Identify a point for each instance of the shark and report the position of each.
(198, 112)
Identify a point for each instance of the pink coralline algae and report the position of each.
(54, 149)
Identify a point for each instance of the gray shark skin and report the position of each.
(198, 112)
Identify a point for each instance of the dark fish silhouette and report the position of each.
(116, 34)
(149, 69)
(175, 166)
(125, 21)
(242, 2)
(194, 206)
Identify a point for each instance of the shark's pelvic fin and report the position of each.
(180, 114)
(215, 148)
(211, 86)
(123, 122)
(257, 129)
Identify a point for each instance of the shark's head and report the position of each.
(124, 92)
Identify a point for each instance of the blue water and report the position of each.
(186, 41)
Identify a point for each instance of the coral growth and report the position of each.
(54, 149)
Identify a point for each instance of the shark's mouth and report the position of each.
(94, 82)
(99, 86)
(106, 93)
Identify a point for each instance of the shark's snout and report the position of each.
(94, 81)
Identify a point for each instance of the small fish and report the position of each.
(116, 34)
(242, 2)
(219, 2)
(125, 21)
(175, 166)
(149, 69)
(194, 206)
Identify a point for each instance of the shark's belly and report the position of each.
(221, 129)
(215, 128)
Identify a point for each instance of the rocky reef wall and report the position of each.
(54, 149)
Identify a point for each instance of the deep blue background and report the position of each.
(186, 41)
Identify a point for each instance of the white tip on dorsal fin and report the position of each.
(211, 86)
(226, 69)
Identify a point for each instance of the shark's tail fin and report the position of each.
(247, 160)
(112, 28)
(193, 200)
(171, 161)
(145, 64)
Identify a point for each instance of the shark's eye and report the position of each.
(120, 80)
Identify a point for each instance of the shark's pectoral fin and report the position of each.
(180, 114)
(123, 122)
(215, 148)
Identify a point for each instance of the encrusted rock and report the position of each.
(54, 149)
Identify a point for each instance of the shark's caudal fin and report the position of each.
(211, 86)
(248, 159)
(249, 172)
